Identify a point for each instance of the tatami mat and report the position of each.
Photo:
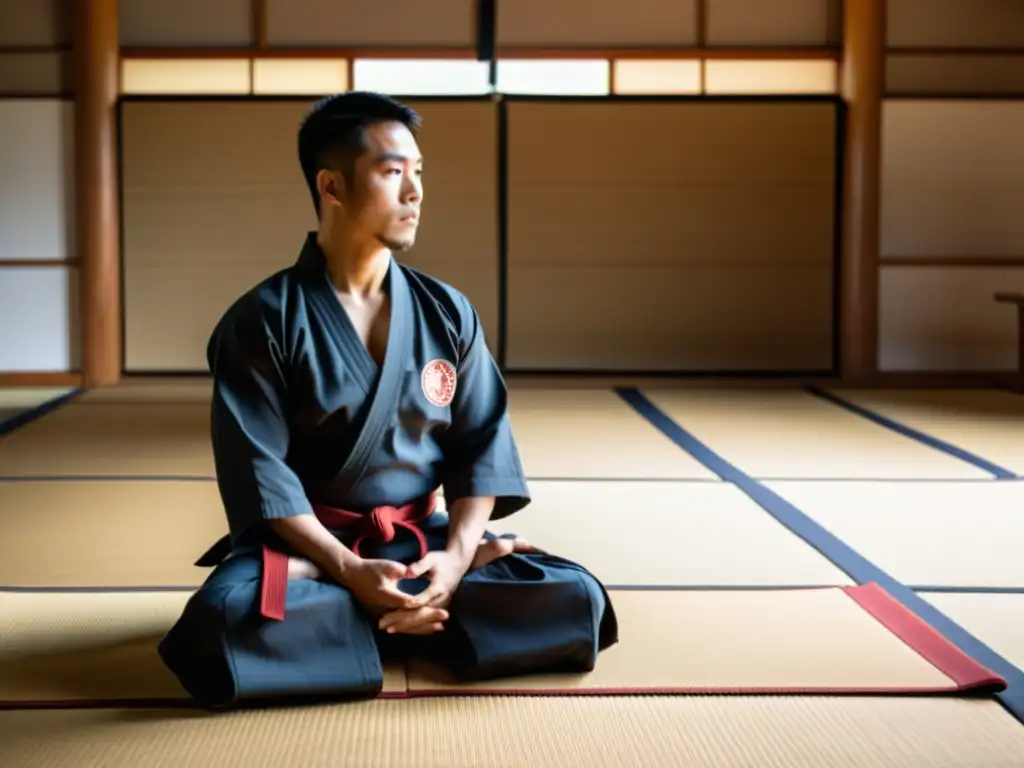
(593, 434)
(813, 640)
(988, 423)
(581, 732)
(792, 434)
(162, 429)
(90, 648)
(125, 533)
(673, 533)
(112, 439)
(101, 533)
(153, 390)
(924, 533)
(16, 401)
(64, 647)
(995, 619)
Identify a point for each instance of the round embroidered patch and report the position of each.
(438, 382)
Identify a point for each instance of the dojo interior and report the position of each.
(754, 270)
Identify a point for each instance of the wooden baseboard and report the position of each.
(40, 379)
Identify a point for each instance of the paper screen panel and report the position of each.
(590, 23)
(223, 205)
(968, 23)
(356, 23)
(953, 178)
(945, 319)
(39, 319)
(935, 75)
(686, 236)
(37, 171)
(157, 23)
(774, 22)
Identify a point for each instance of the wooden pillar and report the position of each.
(97, 60)
(863, 88)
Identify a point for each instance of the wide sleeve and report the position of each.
(481, 455)
(249, 425)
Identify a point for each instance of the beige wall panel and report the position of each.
(357, 23)
(694, 211)
(186, 23)
(935, 23)
(608, 23)
(222, 205)
(944, 319)
(36, 74)
(774, 22)
(35, 22)
(953, 178)
(938, 75)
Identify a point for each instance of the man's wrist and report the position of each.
(462, 550)
(342, 565)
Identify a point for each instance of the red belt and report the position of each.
(380, 523)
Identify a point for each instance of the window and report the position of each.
(650, 76)
(188, 76)
(300, 76)
(554, 77)
(754, 77)
(411, 77)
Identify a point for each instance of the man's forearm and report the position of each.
(312, 540)
(467, 523)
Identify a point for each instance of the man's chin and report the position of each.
(398, 245)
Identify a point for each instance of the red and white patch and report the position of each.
(438, 381)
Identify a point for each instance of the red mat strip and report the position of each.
(912, 630)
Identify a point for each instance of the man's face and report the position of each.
(387, 187)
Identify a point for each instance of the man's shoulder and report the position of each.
(267, 298)
(449, 299)
(259, 310)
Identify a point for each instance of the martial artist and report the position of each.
(347, 389)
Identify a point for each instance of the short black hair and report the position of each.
(333, 134)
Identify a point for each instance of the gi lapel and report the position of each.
(386, 395)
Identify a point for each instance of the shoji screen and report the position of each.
(671, 235)
(214, 201)
(952, 190)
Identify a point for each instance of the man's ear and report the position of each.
(331, 187)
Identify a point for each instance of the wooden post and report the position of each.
(863, 88)
(97, 60)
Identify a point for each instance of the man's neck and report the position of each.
(355, 270)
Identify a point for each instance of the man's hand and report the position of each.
(431, 617)
(444, 571)
(374, 584)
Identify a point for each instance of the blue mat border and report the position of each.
(841, 555)
(26, 417)
(1000, 473)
